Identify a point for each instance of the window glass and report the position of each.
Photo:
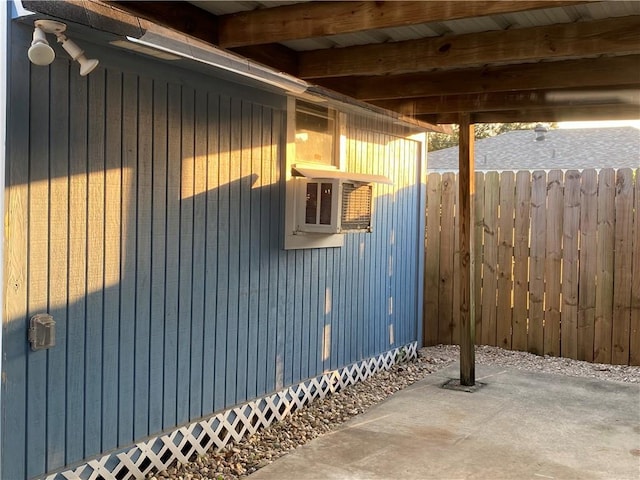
(318, 203)
(315, 133)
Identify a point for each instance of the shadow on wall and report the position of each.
(133, 221)
(148, 221)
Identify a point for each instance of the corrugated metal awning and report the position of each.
(340, 175)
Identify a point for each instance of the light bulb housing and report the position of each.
(86, 65)
(40, 53)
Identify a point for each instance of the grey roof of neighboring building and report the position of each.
(616, 147)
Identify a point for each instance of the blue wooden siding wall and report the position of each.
(145, 213)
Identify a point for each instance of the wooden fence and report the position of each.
(556, 263)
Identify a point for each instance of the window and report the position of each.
(323, 201)
(319, 197)
(315, 134)
(320, 200)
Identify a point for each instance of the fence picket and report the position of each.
(489, 281)
(604, 259)
(634, 326)
(553, 265)
(447, 245)
(569, 317)
(587, 269)
(535, 334)
(432, 259)
(521, 260)
(622, 272)
(478, 253)
(454, 326)
(505, 260)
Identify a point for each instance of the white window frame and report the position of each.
(301, 225)
(293, 238)
(298, 233)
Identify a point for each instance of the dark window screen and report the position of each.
(325, 204)
(312, 203)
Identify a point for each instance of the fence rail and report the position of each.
(556, 263)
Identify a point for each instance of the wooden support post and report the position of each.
(466, 182)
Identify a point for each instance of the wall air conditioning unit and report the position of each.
(333, 201)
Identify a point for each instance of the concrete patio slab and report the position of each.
(520, 425)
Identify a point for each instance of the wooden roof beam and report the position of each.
(317, 19)
(486, 102)
(593, 72)
(274, 55)
(181, 16)
(612, 36)
(561, 113)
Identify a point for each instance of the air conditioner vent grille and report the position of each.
(356, 207)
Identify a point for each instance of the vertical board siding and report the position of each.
(222, 298)
(112, 241)
(172, 255)
(157, 250)
(185, 256)
(149, 223)
(567, 263)
(143, 260)
(198, 280)
(258, 308)
(38, 266)
(243, 202)
(211, 159)
(58, 278)
(76, 296)
(14, 394)
(128, 236)
(95, 258)
(233, 274)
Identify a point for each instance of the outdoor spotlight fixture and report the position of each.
(40, 53)
(86, 65)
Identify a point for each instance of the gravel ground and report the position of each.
(241, 459)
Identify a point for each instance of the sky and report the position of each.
(601, 124)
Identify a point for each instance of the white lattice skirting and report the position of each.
(158, 453)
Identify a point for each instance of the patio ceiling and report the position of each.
(497, 61)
